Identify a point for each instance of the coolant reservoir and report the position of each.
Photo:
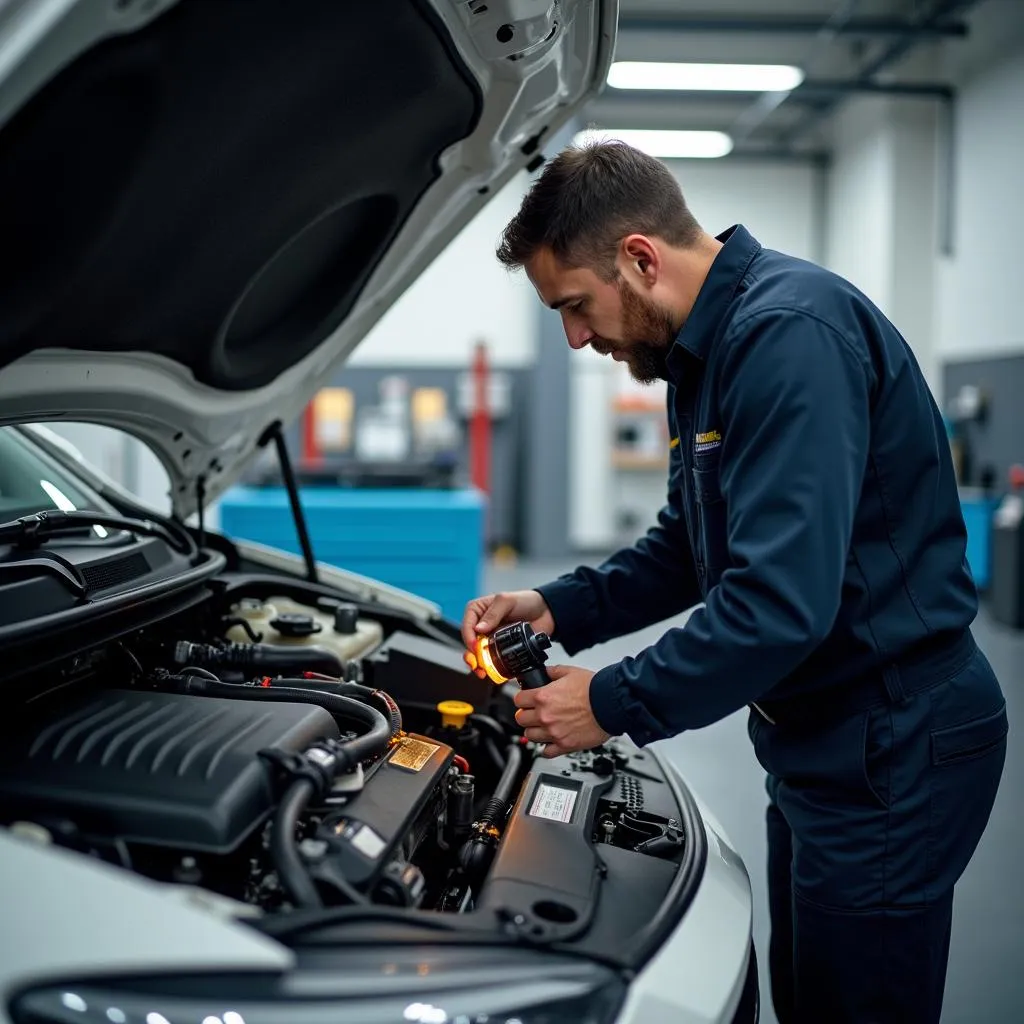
(284, 622)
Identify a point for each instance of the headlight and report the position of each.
(450, 986)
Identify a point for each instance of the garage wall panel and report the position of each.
(777, 202)
(978, 311)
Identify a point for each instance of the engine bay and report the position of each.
(304, 758)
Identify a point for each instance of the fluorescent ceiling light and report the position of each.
(666, 145)
(652, 75)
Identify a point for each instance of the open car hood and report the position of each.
(206, 204)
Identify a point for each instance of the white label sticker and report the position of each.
(553, 803)
(368, 843)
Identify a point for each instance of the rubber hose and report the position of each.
(503, 791)
(284, 850)
(492, 726)
(196, 670)
(498, 806)
(264, 659)
(393, 711)
(476, 853)
(494, 754)
(371, 743)
(348, 689)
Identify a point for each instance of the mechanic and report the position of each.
(813, 519)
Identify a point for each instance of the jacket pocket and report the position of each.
(878, 750)
(707, 488)
(970, 739)
(711, 521)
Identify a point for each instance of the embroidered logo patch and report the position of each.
(707, 441)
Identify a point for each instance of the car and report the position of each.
(239, 786)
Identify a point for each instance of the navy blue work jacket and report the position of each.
(812, 508)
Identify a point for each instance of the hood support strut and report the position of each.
(275, 433)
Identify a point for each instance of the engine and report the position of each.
(174, 753)
(293, 754)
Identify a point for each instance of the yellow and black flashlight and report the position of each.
(514, 651)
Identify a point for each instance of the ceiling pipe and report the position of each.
(780, 154)
(750, 24)
(811, 90)
(758, 112)
(890, 54)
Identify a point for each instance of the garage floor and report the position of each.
(986, 970)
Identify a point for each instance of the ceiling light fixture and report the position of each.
(666, 145)
(655, 76)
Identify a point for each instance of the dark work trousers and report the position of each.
(871, 821)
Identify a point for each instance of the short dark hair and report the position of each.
(588, 199)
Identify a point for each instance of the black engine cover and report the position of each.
(156, 768)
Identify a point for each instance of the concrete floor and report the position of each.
(986, 970)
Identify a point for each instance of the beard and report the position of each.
(647, 336)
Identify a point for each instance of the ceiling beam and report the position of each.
(810, 90)
(890, 55)
(756, 24)
(924, 90)
(780, 154)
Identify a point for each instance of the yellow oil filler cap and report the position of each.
(454, 713)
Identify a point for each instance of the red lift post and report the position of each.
(480, 423)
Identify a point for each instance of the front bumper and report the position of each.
(706, 971)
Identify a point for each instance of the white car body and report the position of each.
(71, 922)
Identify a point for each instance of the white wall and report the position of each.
(776, 201)
(463, 297)
(881, 216)
(859, 206)
(979, 308)
(915, 229)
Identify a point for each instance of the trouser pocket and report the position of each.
(967, 755)
(968, 740)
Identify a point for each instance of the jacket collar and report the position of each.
(730, 265)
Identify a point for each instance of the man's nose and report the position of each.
(577, 334)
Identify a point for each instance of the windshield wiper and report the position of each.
(49, 562)
(31, 531)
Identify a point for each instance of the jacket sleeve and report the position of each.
(651, 581)
(795, 412)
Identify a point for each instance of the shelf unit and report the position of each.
(639, 460)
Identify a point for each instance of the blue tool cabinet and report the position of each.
(978, 510)
(429, 542)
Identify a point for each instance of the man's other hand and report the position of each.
(559, 714)
(484, 615)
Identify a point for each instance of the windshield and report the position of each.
(30, 481)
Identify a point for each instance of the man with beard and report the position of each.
(813, 518)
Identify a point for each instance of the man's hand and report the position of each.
(484, 615)
(559, 714)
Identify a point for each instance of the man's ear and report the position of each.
(640, 258)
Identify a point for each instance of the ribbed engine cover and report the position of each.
(159, 768)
